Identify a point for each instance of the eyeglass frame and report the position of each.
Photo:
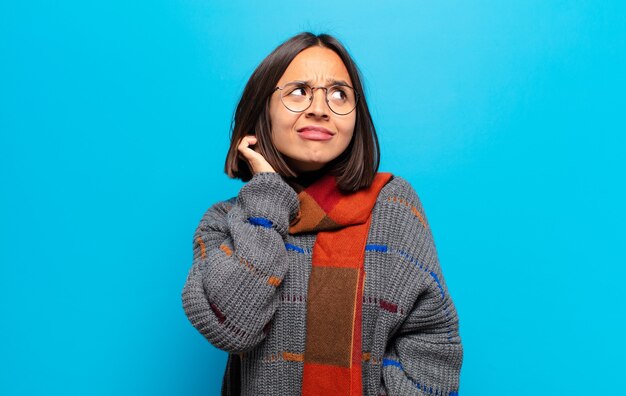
(357, 95)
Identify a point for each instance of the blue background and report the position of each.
(507, 117)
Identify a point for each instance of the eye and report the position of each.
(338, 93)
(299, 90)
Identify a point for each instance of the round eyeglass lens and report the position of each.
(296, 97)
(341, 99)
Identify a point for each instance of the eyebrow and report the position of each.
(329, 82)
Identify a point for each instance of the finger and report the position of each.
(248, 153)
(245, 142)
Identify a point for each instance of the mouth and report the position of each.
(315, 133)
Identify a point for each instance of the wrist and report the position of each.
(267, 196)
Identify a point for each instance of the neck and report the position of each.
(307, 178)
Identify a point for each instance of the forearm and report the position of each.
(427, 353)
(239, 262)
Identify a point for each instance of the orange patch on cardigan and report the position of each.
(293, 357)
(226, 250)
(202, 247)
(274, 281)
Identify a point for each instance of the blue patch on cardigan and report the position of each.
(438, 283)
(295, 248)
(260, 221)
(376, 248)
(391, 362)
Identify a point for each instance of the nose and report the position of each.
(319, 107)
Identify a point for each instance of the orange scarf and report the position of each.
(332, 358)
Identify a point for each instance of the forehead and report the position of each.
(318, 65)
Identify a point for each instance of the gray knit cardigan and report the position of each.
(410, 343)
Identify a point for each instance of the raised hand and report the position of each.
(255, 160)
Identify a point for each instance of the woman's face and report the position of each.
(310, 139)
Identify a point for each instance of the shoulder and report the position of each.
(398, 186)
(399, 195)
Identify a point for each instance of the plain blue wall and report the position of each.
(507, 117)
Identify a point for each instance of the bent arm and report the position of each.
(425, 354)
(239, 261)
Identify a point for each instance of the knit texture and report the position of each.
(246, 293)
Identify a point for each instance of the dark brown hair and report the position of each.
(355, 168)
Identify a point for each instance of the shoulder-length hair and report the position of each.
(354, 169)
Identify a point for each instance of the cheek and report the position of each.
(281, 119)
(282, 124)
(347, 127)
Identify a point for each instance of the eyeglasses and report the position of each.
(298, 96)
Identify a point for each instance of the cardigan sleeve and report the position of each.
(239, 261)
(424, 355)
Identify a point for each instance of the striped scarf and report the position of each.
(332, 357)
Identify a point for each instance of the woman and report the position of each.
(321, 277)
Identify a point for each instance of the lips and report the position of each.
(315, 133)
